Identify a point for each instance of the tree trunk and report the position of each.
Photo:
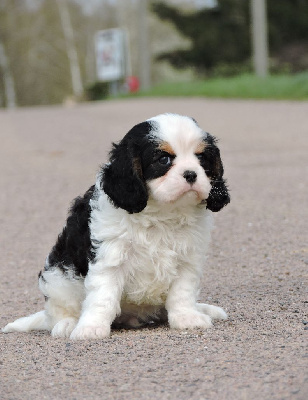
(8, 81)
(70, 47)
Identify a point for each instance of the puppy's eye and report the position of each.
(165, 160)
(200, 156)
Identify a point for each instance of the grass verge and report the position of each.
(288, 87)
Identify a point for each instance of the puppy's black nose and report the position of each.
(190, 176)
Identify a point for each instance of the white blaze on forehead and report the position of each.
(181, 132)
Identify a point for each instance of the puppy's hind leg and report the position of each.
(63, 320)
(64, 294)
(64, 327)
(214, 312)
(37, 321)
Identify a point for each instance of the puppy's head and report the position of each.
(169, 159)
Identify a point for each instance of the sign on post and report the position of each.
(110, 54)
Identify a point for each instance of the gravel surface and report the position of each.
(256, 270)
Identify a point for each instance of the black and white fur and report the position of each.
(133, 248)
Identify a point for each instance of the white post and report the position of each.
(144, 50)
(259, 37)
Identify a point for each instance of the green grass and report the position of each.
(289, 87)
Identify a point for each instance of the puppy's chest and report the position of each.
(154, 255)
(157, 239)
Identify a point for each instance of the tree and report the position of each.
(218, 35)
(6, 74)
(221, 35)
(8, 81)
(47, 48)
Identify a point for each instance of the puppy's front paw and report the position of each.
(214, 312)
(90, 332)
(189, 320)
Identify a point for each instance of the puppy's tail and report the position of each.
(37, 321)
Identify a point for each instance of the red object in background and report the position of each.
(133, 84)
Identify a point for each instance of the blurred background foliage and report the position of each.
(47, 46)
(220, 36)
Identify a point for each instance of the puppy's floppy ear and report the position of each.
(219, 194)
(122, 178)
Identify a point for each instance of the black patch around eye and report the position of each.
(205, 162)
(156, 163)
(201, 157)
(210, 158)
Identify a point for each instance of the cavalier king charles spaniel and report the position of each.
(133, 247)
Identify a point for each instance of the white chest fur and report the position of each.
(149, 247)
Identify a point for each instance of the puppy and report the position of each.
(133, 248)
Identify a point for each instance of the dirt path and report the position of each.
(257, 268)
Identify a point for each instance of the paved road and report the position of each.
(257, 268)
